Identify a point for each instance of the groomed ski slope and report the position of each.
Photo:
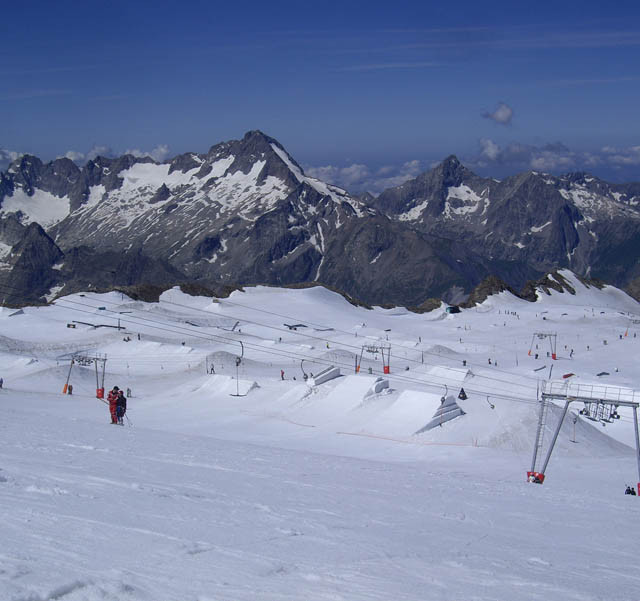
(292, 491)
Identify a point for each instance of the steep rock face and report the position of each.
(527, 224)
(27, 271)
(33, 268)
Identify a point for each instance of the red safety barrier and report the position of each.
(386, 370)
(99, 393)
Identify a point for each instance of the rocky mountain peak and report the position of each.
(451, 172)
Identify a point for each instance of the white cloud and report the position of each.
(490, 149)
(551, 161)
(358, 178)
(627, 156)
(7, 157)
(608, 161)
(99, 151)
(159, 153)
(502, 115)
(76, 157)
(347, 177)
(390, 66)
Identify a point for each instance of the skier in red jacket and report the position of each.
(112, 397)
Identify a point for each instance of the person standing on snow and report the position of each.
(112, 397)
(121, 407)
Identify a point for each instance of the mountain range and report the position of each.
(246, 213)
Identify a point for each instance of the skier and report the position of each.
(1, 382)
(633, 491)
(128, 391)
(70, 389)
(628, 490)
(282, 374)
(121, 407)
(112, 397)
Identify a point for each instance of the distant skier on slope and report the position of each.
(112, 397)
(121, 407)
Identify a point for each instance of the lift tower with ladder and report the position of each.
(600, 404)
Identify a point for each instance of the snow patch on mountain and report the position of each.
(150, 176)
(5, 249)
(463, 192)
(535, 229)
(256, 198)
(461, 200)
(42, 207)
(336, 194)
(415, 212)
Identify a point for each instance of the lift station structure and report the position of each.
(87, 361)
(600, 403)
(374, 349)
(553, 341)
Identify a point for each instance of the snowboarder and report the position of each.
(112, 397)
(121, 407)
(1, 382)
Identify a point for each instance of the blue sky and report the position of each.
(361, 93)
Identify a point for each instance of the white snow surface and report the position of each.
(42, 207)
(468, 201)
(415, 212)
(239, 485)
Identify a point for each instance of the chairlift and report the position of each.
(553, 341)
(383, 349)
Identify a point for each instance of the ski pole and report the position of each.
(128, 420)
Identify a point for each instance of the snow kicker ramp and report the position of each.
(408, 414)
(217, 384)
(336, 404)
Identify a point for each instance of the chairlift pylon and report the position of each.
(553, 341)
